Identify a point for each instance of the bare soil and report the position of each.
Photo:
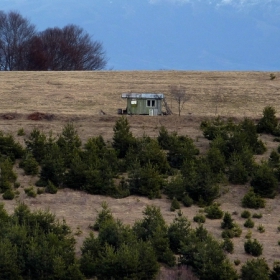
(48, 100)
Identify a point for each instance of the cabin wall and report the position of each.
(139, 106)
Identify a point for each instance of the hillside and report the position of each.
(78, 97)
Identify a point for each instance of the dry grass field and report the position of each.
(79, 97)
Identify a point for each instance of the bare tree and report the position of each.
(15, 32)
(71, 48)
(180, 95)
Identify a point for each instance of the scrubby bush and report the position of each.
(21, 132)
(261, 229)
(199, 218)
(268, 123)
(51, 188)
(175, 205)
(227, 222)
(8, 176)
(187, 200)
(30, 191)
(175, 188)
(145, 181)
(246, 214)
(253, 200)
(235, 231)
(275, 273)
(123, 138)
(274, 159)
(264, 181)
(214, 211)
(8, 194)
(29, 164)
(228, 245)
(253, 248)
(255, 269)
(249, 223)
(257, 215)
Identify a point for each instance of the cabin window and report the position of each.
(151, 103)
(133, 102)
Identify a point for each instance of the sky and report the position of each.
(218, 35)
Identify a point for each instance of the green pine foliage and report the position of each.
(256, 269)
(178, 232)
(253, 200)
(34, 245)
(147, 150)
(214, 211)
(228, 245)
(29, 164)
(175, 205)
(201, 184)
(253, 248)
(8, 194)
(206, 256)
(199, 218)
(36, 144)
(8, 176)
(268, 123)
(264, 181)
(9, 147)
(249, 223)
(123, 138)
(51, 188)
(69, 143)
(145, 181)
(246, 214)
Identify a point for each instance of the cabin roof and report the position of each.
(145, 95)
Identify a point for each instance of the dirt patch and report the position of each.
(37, 116)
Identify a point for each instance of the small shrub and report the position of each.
(237, 262)
(187, 201)
(228, 245)
(51, 188)
(21, 132)
(272, 76)
(249, 223)
(255, 269)
(261, 229)
(175, 205)
(236, 231)
(274, 159)
(248, 234)
(253, 248)
(279, 242)
(8, 195)
(199, 219)
(214, 211)
(227, 222)
(40, 191)
(268, 123)
(246, 214)
(30, 192)
(29, 165)
(253, 200)
(257, 216)
(16, 185)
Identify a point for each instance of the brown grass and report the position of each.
(79, 97)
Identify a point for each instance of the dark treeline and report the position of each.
(69, 48)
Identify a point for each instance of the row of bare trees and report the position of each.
(68, 48)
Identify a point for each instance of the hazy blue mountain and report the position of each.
(170, 34)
